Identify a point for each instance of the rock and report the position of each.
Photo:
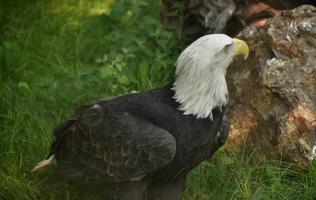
(272, 107)
(198, 17)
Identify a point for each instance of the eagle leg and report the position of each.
(135, 190)
(167, 190)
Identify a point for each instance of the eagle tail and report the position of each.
(51, 161)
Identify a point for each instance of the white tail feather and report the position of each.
(44, 163)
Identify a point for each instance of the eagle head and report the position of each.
(200, 83)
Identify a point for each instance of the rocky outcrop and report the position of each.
(198, 17)
(272, 106)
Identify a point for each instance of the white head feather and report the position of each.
(200, 83)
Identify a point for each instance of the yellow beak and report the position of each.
(241, 48)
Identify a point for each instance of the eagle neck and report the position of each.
(201, 95)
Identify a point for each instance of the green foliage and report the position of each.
(247, 177)
(56, 55)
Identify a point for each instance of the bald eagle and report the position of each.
(142, 145)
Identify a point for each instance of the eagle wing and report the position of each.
(115, 146)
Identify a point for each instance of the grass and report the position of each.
(56, 55)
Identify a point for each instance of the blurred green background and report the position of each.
(58, 54)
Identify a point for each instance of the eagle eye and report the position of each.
(227, 47)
